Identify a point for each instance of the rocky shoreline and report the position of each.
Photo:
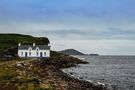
(43, 74)
(77, 84)
(62, 80)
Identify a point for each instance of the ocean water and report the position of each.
(118, 72)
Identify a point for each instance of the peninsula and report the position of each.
(37, 73)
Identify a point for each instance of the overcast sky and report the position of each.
(91, 26)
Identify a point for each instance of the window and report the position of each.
(29, 53)
(26, 54)
(44, 53)
(37, 53)
(37, 49)
(41, 54)
(21, 53)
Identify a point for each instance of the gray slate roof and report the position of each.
(41, 47)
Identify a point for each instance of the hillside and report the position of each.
(38, 73)
(11, 40)
(42, 74)
(71, 52)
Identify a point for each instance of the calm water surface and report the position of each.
(116, 71)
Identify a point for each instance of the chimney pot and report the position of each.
(19, 44)
(34, 44)
(49, 44)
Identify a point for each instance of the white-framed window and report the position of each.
(41, 54)
(21, 53)
(37, 53)
(30, 49)
(44, 53)
(37, 50)
(29, 53)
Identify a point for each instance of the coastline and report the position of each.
(77, 84)
(68, 82)
(43, 74)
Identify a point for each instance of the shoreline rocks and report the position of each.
(56, 75)
(48, 72)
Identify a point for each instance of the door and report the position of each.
(41, 54)
(26, 54)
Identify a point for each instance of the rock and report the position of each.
(100, 84)
(19, 64)
(81, 78)
(71, 73)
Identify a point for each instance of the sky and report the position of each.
(106, 27)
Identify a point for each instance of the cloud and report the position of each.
(87, 25)
(81, 32)
(109, 33)
(103, 47)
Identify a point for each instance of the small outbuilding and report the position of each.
(34, 50)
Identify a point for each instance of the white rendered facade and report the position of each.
(33, 51)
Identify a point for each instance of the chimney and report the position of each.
(49, 44)
(34, 44)
(19, 44)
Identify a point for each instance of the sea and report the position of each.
(117, 72)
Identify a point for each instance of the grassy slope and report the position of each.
(12, 40)
(17, 78)
(35, 74)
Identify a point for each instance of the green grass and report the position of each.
(11, 40)
(10, 79)
(7, 72)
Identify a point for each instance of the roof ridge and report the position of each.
(34, 47)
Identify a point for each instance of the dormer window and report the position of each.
(30, 49)
(37, 49)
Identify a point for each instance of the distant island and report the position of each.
(71, 52)
(93, 54)
(76, 52)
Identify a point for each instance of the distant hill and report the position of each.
(11, 40)
(71, 52)
(93, 54)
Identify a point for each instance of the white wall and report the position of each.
(34, 53)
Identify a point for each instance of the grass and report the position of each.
(33, 87)
(11, 40)
(7, 72)
(11, 79)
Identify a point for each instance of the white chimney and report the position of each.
(19, 44)
(49, 44)
(34, 44)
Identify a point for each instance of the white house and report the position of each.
(33, 50)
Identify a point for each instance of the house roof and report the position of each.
(41, 47)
